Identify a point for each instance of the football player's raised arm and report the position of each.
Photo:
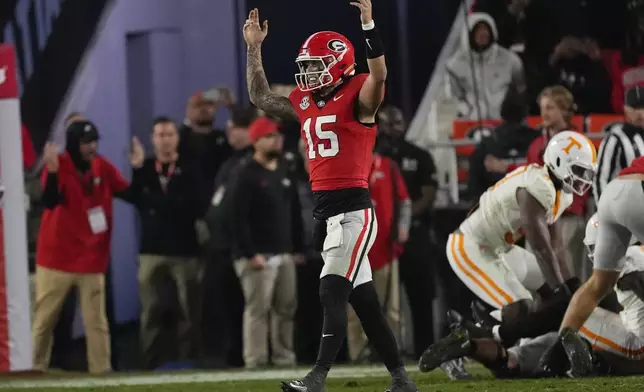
(258, 88)
(535, 227)
(373, 90)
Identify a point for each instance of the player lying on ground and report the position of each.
(337, 111)
(620, 335)
(620, 219)
(522, 361)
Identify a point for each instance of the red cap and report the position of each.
(261, 127)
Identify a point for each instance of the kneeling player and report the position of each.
(527, 201)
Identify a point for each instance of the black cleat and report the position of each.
(312, 382)
(481, 314)
(579, 354)
(454, 317)
(453, 346)
(455, 369)
(402, 386)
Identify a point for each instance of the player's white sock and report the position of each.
(495, 332)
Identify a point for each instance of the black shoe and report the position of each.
(481, 314)
(453, 346)
(455, 369)
(402, 386)
(578, 353)
(312, 382)
(476, 332)
(454, 317)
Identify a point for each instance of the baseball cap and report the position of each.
(635, 97)
(261, 127)
(84, 131)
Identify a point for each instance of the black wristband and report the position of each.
(375, 47)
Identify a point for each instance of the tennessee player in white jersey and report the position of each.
(621, 334)
(527, 201)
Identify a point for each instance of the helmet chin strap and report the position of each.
(555, 180)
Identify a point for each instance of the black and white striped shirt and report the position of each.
(623, 143)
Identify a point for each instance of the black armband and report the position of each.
(375, 48)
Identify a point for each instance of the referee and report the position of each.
(623, 141)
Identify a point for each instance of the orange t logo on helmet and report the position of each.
(573, 143)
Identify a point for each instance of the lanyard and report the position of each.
(165, 178)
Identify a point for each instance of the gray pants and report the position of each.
(529, 354)
(620, 217)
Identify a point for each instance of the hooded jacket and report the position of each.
(76, 224)
(496, 70)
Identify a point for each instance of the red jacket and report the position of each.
(622, 76)
(535, 155)
(66, 241)
(28, 154)
(384, 174)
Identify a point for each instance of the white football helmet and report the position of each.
(572, 158)
(591, 236)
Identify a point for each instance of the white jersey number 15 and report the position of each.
(319, 147)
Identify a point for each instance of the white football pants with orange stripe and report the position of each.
(349, 237)
(606, 331)
(498, 280)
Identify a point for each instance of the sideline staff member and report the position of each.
(416, 265)
(168, 208)
(74, 240)
(267, 230)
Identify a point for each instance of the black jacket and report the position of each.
(207, 151)
(265, 212)
(167, 219)
(218, 213)
(509, 142)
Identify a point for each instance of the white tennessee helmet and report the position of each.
(572, 158)
(590, 239)
(591, 236)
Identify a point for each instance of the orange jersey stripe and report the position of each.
(469, 274)
(615, 346)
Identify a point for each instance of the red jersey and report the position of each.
(636, 167)
(339, 146)
(388, 190)
(66, 241)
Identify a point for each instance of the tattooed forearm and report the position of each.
(260, 92)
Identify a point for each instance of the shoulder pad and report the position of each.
(541, 187)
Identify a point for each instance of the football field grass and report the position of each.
(342, 379)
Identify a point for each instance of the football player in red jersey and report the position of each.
(336, 110)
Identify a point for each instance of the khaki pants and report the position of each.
(52, 287)
(186, 274)
(268, 292)
(387, 286)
